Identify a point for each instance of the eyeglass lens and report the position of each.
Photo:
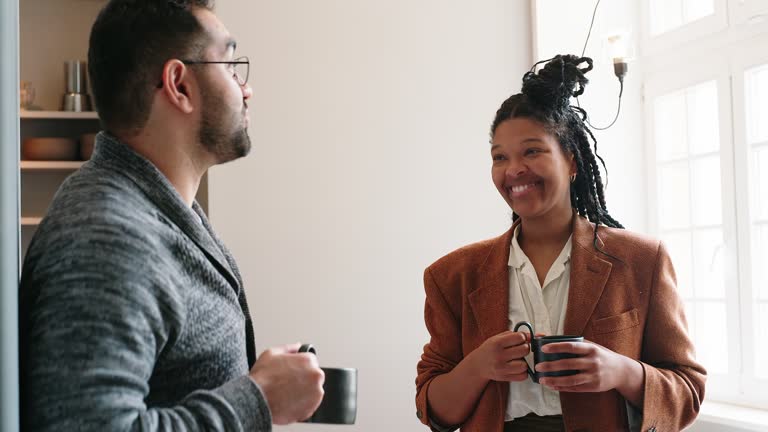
(241, 71)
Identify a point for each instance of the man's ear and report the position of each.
(178, 85)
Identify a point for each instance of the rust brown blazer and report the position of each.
(629, 305)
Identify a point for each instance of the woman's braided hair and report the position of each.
(546, 98)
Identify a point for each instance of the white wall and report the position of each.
(371, 160)
(561, 28)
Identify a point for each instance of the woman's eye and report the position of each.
(498, 157)
(532, 151)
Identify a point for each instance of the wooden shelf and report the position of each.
(31, 221)
(59, 115)
(50, 165)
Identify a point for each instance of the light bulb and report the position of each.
(618, 48)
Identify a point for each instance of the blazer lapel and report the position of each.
(490, 301)
(589, 274)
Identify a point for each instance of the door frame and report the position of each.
(9, 215)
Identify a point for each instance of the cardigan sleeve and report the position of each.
(674, 381)
(95, 320)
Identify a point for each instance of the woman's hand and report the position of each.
(500, 358)
(453, 396)
(600, 369)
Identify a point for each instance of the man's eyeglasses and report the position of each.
(240, 67)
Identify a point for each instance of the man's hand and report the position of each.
(291, 381)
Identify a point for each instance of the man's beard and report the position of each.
(224, 145)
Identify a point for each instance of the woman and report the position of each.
(567, 267)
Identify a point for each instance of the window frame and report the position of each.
(743, 58)
(742, 11)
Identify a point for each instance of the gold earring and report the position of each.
(573, 177)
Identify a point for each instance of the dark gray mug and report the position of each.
(339, 405)
(539, 357)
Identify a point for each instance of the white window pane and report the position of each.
(697, 9)
(760, 262)
(756, 92)
(674, 194)
(708, 264)
(711, 340)
(760, 184)
(703, 118)
(679, 246)
(706, 190)
(665, 15)
(761, 340)
(670, 126)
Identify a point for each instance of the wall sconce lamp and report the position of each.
(619, 49)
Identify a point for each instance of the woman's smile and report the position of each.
(520, 191)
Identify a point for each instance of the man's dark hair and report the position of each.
(130, 42)
(546, 99)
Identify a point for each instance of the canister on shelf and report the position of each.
(76, 98)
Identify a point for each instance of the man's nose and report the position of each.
(247, 91)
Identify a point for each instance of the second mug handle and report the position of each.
(530, 331)
(308, 348)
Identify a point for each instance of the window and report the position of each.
(668, 23)
(689, 211)
(670, 14)
(707, 117)
(756, 113)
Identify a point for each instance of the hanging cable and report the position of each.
(618, 110)
(589, 33)
(619, 69)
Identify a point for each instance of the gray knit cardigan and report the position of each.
(132, 311)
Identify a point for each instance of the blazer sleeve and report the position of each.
(674, 381)
(442, 353)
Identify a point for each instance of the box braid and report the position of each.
(546, 98)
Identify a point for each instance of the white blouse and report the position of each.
(543, 307)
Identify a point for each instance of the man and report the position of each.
(133, 313)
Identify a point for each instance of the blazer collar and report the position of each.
(589, 274)
(490, 301)
(111, 154)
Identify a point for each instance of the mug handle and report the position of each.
(530, 331)
(308, 348)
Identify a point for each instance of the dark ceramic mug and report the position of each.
(339, 405)
(537, 342)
